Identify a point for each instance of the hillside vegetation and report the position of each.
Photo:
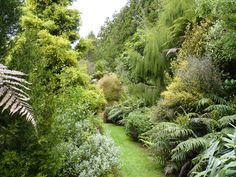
(162, 69)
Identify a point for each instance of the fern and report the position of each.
(183, 149)
(13, 95)
(227, 120)
(221, 108)
(208, 123)
(203, 103)
(173, 130)
(217, 99)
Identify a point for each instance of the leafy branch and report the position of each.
(13, 96)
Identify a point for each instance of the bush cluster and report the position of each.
(138, 122)
(111, 86)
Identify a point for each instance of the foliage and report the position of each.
(13, 95)
(9, 23)
(218, 159)
(64, 101)
(149, 94)
(172, 11)
(138, 122)
(201, 74)
(98, 152)
(111, 86)
(220, 44)
(117, 113)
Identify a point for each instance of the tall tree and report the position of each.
(9, 22)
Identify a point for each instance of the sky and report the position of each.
(94, 13)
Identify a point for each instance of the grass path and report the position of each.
(135, 160)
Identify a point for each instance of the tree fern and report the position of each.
(13, 95)
(173, 130)
(221, 108)
(203, 103)
(207, 124)
(227, 120)
(181, 151)
(218, 99)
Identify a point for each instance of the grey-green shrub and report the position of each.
(96, 157)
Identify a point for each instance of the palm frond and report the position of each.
(13, 96)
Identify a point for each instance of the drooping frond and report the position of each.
(221, 108)
(217, 99)
(173, 130)
(180, 152)
(208, 123)
(13, 94)
(203, 103)
(227, 120)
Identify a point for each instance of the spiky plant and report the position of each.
(219, 159)
(13, 96)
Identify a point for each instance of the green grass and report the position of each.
(135, 160)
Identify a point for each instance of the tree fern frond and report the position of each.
(192, 115)
(222, 108)
(204, 102)
(14, 78)
(209, 123)
(12, 72)
(173, 130)
(217, 99)
(20, 91)
(8, 82)
(2, 66)
(12, 93)
(180, 152)
(227, 120)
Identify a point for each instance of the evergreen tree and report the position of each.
(9, 18)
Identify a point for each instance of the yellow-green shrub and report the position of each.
(111, 86)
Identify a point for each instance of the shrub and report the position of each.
(96, 157)
(111, 86)
(201, 73)
(116, 114)
(138, 122)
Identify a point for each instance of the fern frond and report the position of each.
(192, 115)
(217, 99)
(209, 123)
(13, 94)
(180, 152)
(173, 130)
(222, 108)
(227, 120)
(204, 102)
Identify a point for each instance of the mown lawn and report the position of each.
(135, 160)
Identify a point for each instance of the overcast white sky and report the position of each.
(94, 13)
